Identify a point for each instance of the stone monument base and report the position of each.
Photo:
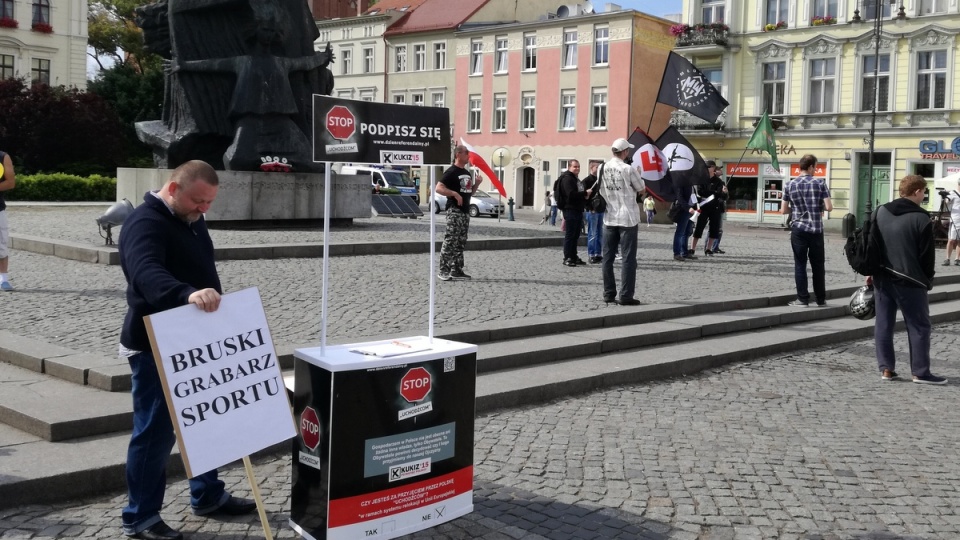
(262, 196)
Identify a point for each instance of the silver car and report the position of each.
(481, 203)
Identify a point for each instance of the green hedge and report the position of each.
(63, 187)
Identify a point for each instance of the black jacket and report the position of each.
(574, 196)
(907, 235)
(165, 260)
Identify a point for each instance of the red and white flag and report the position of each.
(479, 163)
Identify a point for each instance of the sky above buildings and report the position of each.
(653, 7)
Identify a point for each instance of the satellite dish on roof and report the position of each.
(586, 8)
(566, 11)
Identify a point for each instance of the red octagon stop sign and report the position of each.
(310, 428)
(340, 122)
(415, 385)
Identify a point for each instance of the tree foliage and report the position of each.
(135, 97)
(112, 33)
(58, 129)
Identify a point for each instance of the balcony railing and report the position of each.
(693, 37)
(683, 120)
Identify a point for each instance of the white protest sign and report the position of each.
(221, 378)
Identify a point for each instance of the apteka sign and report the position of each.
(368, 132)
(221, 378)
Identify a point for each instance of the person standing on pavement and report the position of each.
(546, 208)
(952, 199)
(709, 211)
(574, 198)
(596, 206)
(553, 209)
(906, 233)
(650, 207)
(7, 182)
(166, 255)
(457, 185)
(805, 199)
(688, 207)
(620, 184)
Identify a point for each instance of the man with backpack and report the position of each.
(571, 200)
(905, 232)
(805, 199)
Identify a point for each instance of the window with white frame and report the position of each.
(367, 95)
(437, 99)
(776, 11)
(712, 11)
(6, 66)
(346, 61)
(598, 114)
(823, 84)
(715, 76)
(499, 112)
(420, 57)
(476, 57)
(473, 116)
(400, 55)
(40, 71)
(876, 82)
(368, 60)
(568, 110)
(345, 93)
(528, 111)
(440, 55)
(563, 164)
(501, 54)
(601, 45)
(932, 7)
(399, 99)
(529, 52)
(931, 79)
(570, 48)
(825, 8)
(869, 9)
(774, 81)
(416, 98)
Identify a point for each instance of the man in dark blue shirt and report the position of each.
(167, 259)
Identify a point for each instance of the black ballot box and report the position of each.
(385, 445)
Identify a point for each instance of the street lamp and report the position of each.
(877, 29)
(501, 156)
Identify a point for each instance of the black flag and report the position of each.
(683, 161)
(685, 87)
(652, 165)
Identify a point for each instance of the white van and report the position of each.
(381, 178)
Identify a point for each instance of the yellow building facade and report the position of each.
(817, 68)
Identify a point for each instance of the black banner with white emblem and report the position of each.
(685, 87)
(686, 166)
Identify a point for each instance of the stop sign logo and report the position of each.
(415, 385)
(310, 428)
(340, 122)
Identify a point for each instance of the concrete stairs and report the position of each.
(65, 416)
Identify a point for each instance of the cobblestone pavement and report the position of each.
(81, 305)
(805, 446)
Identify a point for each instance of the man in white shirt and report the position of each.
(953, 229)
(620, 184)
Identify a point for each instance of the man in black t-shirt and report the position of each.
(457, 185)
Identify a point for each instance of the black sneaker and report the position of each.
(690, 256)
(888, 375)
(444, 277)
(569, 262)
(930, 378)
(720, 251)
(459, 276)
(798, 303)
(629, 302)
(578, 260)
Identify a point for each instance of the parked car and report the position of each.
(481, 203)
(381, 178)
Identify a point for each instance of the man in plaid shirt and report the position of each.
(805, 198)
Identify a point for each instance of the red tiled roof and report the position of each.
(436, 15)
(384, 5)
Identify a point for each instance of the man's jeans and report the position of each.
(594, 233)
(626, 238)
(149, 450)
(915, 307)
(553, 215)
(571, 237)
(807, 244)
(680, 235)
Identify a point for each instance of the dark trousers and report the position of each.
(681, 234)
(624, 239)
(574, 225)
(912, 302)
(807, 245)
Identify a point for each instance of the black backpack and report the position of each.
(558, 194)
(864, 249)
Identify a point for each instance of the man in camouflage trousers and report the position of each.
(457, 185)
